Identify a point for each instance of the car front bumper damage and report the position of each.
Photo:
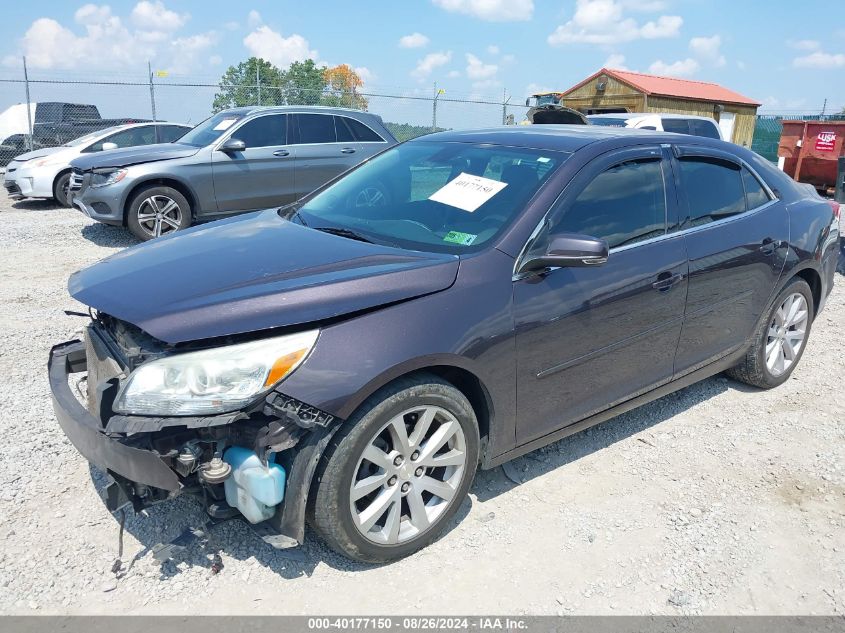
(141, 454)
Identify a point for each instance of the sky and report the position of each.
(788, 55)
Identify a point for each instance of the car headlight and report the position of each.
(103, 178)
(215, 380)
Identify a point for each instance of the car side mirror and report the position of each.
(568, 250)
(233, 145)
(107, 146)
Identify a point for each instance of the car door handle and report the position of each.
(281, 152)
(769, 246)
(347, 150)
(666, 281)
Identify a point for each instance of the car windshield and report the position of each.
(433, 196)
(606, 120)
(211, 129)
(93, 136)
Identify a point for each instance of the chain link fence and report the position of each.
(46, 111)
(37, 113)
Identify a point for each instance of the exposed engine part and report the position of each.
(276, 437)
(303, 414)
(187, 461)
(215, 471)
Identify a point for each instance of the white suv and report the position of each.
(678, 123)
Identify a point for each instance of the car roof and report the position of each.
(294, 108)
(561, 138)
(637, 115)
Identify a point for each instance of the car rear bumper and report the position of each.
(86, 434)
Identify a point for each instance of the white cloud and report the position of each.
(154, 16)
(493, 49)
(805, 45)
(414, 40)
(367, 76)
(430, 63)
(254, 19)
(820, 59)
(453, 74)
(231, 26)
(485, 84)
(508, 59)
(646, 6)
(535, 88)
(680, 68)
(708, 49)
(491, 10)
(603, 22)
(215, 60)
(615, 61)
(282, 51)
(107, 42)
(478, 70)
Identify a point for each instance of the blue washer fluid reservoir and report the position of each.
(253, 488)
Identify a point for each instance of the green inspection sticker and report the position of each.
(456, 237)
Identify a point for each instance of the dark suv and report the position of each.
(355, 363)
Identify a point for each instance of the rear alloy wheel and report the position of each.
(61, 188)
(158, 211)
(780, 339)
(397, 472)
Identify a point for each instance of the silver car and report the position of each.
(237, 160)
(45, 172)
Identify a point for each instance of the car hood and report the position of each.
(251, 273)
(39, 153)
(133, 155)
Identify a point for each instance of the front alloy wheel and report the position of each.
(397, 471)
(407, 475)
(157, 211)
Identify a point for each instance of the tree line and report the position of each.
(258, 82)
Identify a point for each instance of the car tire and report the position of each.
(156, 211)
(780, 339)
(412, 516)
(60, 189)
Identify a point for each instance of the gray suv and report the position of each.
(238, 160)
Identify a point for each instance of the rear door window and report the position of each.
(316, 128)
(706, 129)
(624, 205)
(713, 189)
(678, 126)
(755, 194)
(363, 133)
(263, 131)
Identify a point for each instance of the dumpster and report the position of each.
(809, 152)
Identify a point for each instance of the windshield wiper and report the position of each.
(352, 235)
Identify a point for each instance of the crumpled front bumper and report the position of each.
(86, 434)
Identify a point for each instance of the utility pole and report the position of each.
(434, 109)
(152, 91)
(505, 100)
(824, 106)
(28, 107)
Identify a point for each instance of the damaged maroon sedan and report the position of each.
(454, 302)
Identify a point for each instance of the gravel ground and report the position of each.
(716, 499)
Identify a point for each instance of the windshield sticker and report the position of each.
(467, 192)
(543, 159)
(456, 237)
(225, 124)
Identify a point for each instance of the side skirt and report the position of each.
(684, 381)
